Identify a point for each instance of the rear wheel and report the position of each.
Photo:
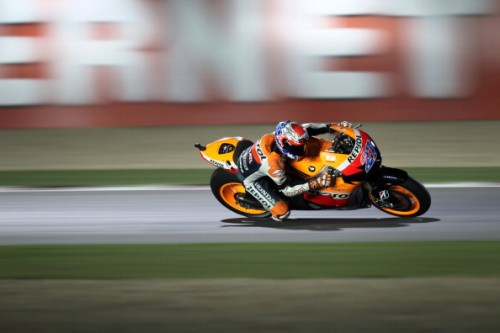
(408, 199)
(231, 193)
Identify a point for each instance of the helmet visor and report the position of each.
(299, 150)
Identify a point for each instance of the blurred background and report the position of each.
(87, 64)
(102, 85)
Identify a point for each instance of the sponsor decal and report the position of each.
(261, 195)
(249, 156)
(330, 157)
(369, 156)
(245, 161)
(383, 195)
(259, 151)
(243, 166)
(216, 163)
(242, 161)
(226, 148)
(340, 195)
(336, 195)
(279, 173)
(263, 192)
(356, 150)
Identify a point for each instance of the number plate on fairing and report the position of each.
(369, 156)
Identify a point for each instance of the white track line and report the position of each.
(462, 185)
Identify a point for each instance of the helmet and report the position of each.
(291, 139)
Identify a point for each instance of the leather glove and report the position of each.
(342, 125)
(345, 124)
(324, 180)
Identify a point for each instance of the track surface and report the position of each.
(192, 215)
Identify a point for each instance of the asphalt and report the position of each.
(429, 144)
(192, 215)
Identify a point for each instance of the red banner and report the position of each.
(154, 63)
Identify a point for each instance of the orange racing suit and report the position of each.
(261, 167)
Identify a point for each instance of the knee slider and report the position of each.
(280, 211)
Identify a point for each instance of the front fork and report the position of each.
(378, 183)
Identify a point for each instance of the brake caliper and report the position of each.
(381, 198)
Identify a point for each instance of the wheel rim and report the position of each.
(405, 202)
(228, 193)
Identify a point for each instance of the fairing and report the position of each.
(352, 164)
(220, 153)
(350, 153)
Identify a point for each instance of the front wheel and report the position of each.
(408, 199)
(228, 190)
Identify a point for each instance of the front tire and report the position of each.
(226, 187)
(408, 199)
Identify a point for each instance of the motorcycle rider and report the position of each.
(261, 167)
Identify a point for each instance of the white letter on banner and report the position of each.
(310, 45)
(441, 52)
(20, 50)
(78, 55)
(227, 48)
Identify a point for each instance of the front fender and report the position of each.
(386, 175)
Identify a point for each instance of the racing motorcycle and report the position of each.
(349, 154)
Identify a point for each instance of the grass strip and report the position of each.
(104, 177)
(202, 176)
(252, 260)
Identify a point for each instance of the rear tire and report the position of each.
(225, 187)
(409, 199)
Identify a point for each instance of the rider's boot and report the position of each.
(280, 211)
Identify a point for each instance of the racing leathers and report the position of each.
(261, 168)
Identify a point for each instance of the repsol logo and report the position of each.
(260, 152)
(356, 150)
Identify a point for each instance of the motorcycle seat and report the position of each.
(240, 147)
